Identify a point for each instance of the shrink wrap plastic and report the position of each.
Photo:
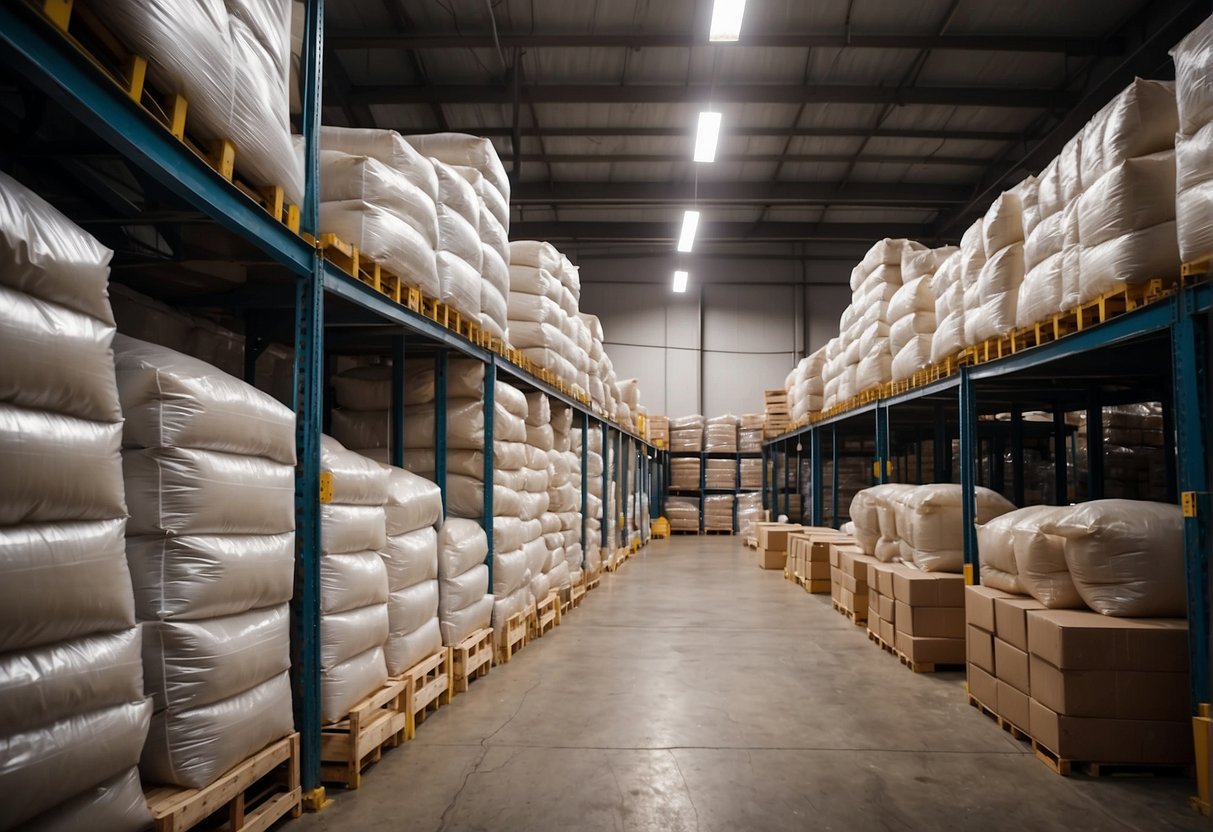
(458, 237)
(192, 577)
(56, 359)
(411, 558)
(385, 238)
(187, 491)
(410, 608)
(364, 388)
(46, 256)
(1126, 557)
(459, 283)
(53, 682)
(1138, 193)
(403, 650)
(462, 545)
(465, 498)
(539, 410)
(1133, 258)
(388, 147)
(1139, 121)
(346, 637)
(1040, 562)
(505, 606)
(464, 425)
(356, 479)
(32, 491)
(232, 63)
(458, 195)
(1193, 65)
(996, 553)
(194, 747)
(536, 255)
(912, 357)
(495, 239)
(343, 685)
(491, 200)
(57, 761)
(351, 581)
(934, 530)
(413, 502)
(365, 179)
(348, 528)
(540, 587)
(115, 805)
(998, 293)
(172, 400)
(468, 151)
(365, 430)
(535, 281)
(462, 591)
(188, 664)
(510, 571)
(558, 575)
(458, 625)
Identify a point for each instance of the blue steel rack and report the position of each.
(1159, 351)
(300, 283)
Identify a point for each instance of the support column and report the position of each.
(397, 437)
(818, 487)
(968, 475)
(490, 397)
(1095, 452)
(1017, 480)
(1061, 488)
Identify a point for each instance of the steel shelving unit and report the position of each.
(703, 490)
(293, 296)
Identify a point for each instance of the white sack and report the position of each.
(385, 238)
(387, 146)
(345, 685)
(1040, 559)
(366, 179)
(404, 650)
(351, 581)
(346, 529)
(410, 608)
(411, 558)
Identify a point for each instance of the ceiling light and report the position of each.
(680, 281)
(726, 19)
(706, 136)
(690, 222)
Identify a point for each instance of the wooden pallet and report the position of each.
(684, 531)
(429, 687)
(926, 667)
(593, 583)
(874, 636)
(577, 593)
(718, 531)
(859, 618)
(1064, 767)
(547, 614)
(1005, 724)
(357, 265)
(349, 745)
(253, 794)
(816, 586)
(513, 637)
(472, 658)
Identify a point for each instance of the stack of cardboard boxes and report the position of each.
(777, 420)
(882, 609)
(929, 617)
(809, 556)
(657, 429)
(773, 544)
(849, 580)
(1085, 687)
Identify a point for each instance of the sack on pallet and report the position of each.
(1140, 120)
(493, 307)
(465, 498)
(536, 254)
(31, 491)
(458, 195)
(54, 762)
(505, 606)
(459, 283)
(912, 357)
(996, 553)
(933, 528)
(459, 624)
(345, 636)
(387, 146)
(411, 558)
(347, 528)
(410, 608)
(998, 292)
(413, 503)
(468, 151)
(492, 201)
(351, 581)
(1040, 559)
(1002, 224)
(356, 480)
(462, 545)
(385, 238)
(56, 359)
(1040, 294)
(404, 650)
(366, 179)
(62, 580)
(115, 805)
(188, 664)
(344, 685)
(1126, 557)
(1135, 194)
(1131, 259)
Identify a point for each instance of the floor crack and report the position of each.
(687, 786)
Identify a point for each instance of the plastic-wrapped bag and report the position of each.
(1138, 193)
(351, 581)
(492, 201)
(998, 290)
(458, 625)
(460, 284)
(410, 608)
(1040, 293)
(1040, 562)
(1142, 119)
(116, 805)
(413, 502)
(463, 590)
(346, 636)
(510, 571)
(1002, 225)
(457, 194)
(996, 553)
(933, 528)
(462, 545)
(343, 685)
(356, 480)
(364, 178)
(1133, 258)
(469, 151)
(535, 282)
(1126, 557)
(495, 271)
(537, 255)
(364, 388)
(494, 236)
(385, 238)
(1047, 239)
(912, 357)
(905, 329)
(389, 147)
(411, 558)
(403, 650)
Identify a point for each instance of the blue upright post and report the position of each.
(767, 502)
(816, 485)
(1017, 478)
(397, 438)
(834, 476)
(775, 481)
(441, 369)
(606, 482)
(1095, 452)
(882, 443)
(585, 451)
(309, 413)
(490, 395)
(968, 474)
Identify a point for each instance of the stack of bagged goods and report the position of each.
(564, 495)
(597, 355)
(658, 431)
(721, 473)
(74, 717)
(806, 387)
(778, 416)
(683, 513)
(464, 603)
(749, 513)
(361, 421)
(476, 160)
(593, 496)
(459, 252)
(751, 473)
(686, 434)
(544, 537)
(1194, 144)
(990, 306)
(413, 514)
(378, 193)
(542, 309)
(210, 482)
(835, 360)
(1050, 225)
(685, 474)
(972, 261)
(749, 433)
(718, 512)
(354, 620)
(720, 435)
(947, 290)
(1126, 213)
(869, 358)
(629, 402)
(911, 310)
(232, 63)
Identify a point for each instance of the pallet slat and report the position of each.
(472, 658)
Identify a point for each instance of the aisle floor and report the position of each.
(694, 691)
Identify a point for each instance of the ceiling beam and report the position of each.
(716, 231)
(635, 40)
(720, 94)
(609, 131)
(625, 158)
(763, 193)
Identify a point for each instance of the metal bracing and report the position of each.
(606, 230)
(489, 400)
(765, 193)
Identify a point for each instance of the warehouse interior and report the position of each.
(521, 414)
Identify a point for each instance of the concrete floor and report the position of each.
(694, 691)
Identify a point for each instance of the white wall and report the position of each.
(739, 329)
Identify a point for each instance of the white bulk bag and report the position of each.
(388, 147)
(411, 558)
(912, 357)
(463, 590)
(462, 545)
(345, 636)
(458, 625)
(364, 178)
(459, 282)
(356, 480)
(910, 326)
(1141, 120)
(535, 281)
(1047, 239)
(510, 571)
(495, 271)
(1002, 225)
(346, 528)
(457, 194)
(364, 388)
(363, 430)
(934, 529)
(537, 255)
(385, 238)
(1040, 559)
(492, 201)
(509, 605)
(351, 581)
(403, 650)
(998, 291)
(1131, 259)
(1041, 291)
(413, 502)
(344, 685)
(458, 237)
(410, 608)
(996, 553)
(116, 805)
(469, 151)
(1138, 193)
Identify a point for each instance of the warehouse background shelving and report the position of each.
(702, 489)
(292, 294)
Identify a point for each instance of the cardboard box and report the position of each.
(1111, 740)
(873, 607)
(857, 604)
(768, 559)
(884, 578)
(835, 590)
(871, 564)
(1012, 664)
(933, 622)
(1010, 619)
(979, 606)
(932, 650)
(815, 571)
(849, 582)
(1013, 705)
(829, 548)
(818, 587)
(842, 549)
(1110, 694)
(1080, 640)
(888, 607)
(774, 536)
(980, 651)
(887, 633)
(983, 687)
(855, 563)
(929, 589)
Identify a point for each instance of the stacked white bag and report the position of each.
(947, 289)
(558, 500)
(476, 160)
(73, 717)
(593, 496)
(868, 355)
(597, 354)
(1126, 213)
(378, 193)
(804, 386)
(353, 580)
(1050, 225)
(210, 482)
(519, 551)
(361, 421)
(1194, 143)
(459, 253)
(413, 514)
(564, 489)
(995, 295)
(542, 308)
(232, 62)
(464, 603)
(911, 310)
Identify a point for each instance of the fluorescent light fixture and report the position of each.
(690, 222)
(726, 19)
(706, 136)
(680, 281)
